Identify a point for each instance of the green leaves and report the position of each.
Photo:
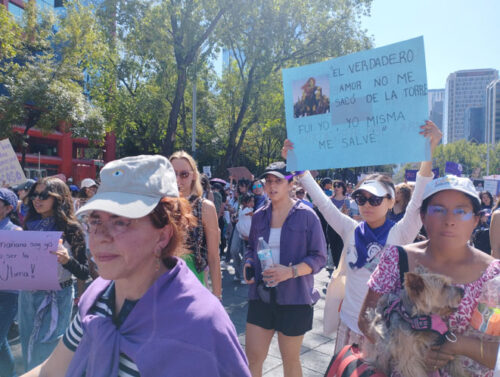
(47, 87)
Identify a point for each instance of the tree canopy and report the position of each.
(45, 76)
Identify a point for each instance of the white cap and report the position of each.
(376, 188)
(87, 182)
(133, 186)
(452, 182)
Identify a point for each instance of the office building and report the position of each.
(474, 124)
(436, 104)
(492, 113)
(464, 89)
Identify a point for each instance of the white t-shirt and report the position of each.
(244, 222)
(402, 233)
(274, 244)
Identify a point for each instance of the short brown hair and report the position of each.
(177, 213)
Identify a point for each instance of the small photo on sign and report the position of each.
(311, 96)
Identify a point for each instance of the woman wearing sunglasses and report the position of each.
(450, 212)
(260, 197)
(364, 241)
(45, 315)
(203, 239)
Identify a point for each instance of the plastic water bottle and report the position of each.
(265, 255)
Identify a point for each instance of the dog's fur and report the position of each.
(399, 347)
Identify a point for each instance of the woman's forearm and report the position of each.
(484, 352)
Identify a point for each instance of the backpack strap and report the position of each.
(403, 264)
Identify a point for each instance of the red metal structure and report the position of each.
(60, 153)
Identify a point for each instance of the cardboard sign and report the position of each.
(26, 262)
(11, 173)
(358, 110)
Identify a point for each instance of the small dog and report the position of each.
(407, 325)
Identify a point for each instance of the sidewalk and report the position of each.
(316, 349)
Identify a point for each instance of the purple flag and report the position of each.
(453, 168)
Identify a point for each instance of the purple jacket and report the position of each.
(302, 240)
(176, 329)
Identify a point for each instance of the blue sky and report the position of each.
(458, 34)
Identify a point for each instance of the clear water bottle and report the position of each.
(265, 255)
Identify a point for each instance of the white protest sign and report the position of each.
(207, 170)
(492, 186)
(26, 262)
(11, 173)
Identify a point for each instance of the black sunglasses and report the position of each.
(337, 185)
(42, 195)
(374, 201)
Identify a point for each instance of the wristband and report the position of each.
(295, 272)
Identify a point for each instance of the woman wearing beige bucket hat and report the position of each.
(147, 315)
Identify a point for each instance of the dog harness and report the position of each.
(431, 322)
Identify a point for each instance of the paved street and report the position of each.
(316, 349)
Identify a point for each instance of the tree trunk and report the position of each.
(31, 121)
(168, 143)
(232, 148)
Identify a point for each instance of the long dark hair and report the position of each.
(64, 214)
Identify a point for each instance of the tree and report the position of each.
(10, 34)
(46, 83)
(268, 35)
(469, 155)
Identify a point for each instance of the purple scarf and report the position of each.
(177, 329)
(369, 242)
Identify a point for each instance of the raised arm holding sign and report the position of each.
(364, 241)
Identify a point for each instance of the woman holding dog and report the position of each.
(449, 213)
(364, 241)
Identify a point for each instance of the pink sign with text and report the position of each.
(26, 262)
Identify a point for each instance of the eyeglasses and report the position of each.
(441, 212)
(41, 195)
(337, 185)
(258, 185)
(374, 200)
(114, 227)
(183, 174)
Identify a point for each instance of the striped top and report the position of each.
(104, 307)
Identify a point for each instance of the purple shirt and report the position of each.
(302, 240)
(178, 328)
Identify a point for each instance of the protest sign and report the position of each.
(411, 174)
(11, 173)
(492, 186)
(207, 170)
(26, 262)
(358, 110)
